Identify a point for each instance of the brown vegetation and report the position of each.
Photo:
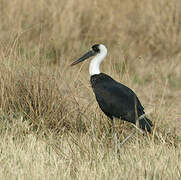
(50, 124)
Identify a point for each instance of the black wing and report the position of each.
(116, 99)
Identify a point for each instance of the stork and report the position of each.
(115, 99)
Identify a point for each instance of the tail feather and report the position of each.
(145, 124)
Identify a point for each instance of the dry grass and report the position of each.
(50, 124)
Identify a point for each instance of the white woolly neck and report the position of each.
(96, 61)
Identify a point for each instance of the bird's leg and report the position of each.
(121, 143)
(115, 138)
(136, 128)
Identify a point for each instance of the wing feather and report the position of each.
(117, 100)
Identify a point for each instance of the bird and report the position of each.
(116, 100)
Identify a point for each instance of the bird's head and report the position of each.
(96, 50)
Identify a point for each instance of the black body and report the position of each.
(117, 100)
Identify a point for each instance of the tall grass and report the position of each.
(50, 124)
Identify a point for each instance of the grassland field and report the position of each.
(50, 124)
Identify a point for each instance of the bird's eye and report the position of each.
(96, 48)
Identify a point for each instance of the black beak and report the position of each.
(84, 57)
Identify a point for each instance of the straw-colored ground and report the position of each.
(50, 124)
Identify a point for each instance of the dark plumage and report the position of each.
(117, 100)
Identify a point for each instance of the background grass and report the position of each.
(50, 124)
